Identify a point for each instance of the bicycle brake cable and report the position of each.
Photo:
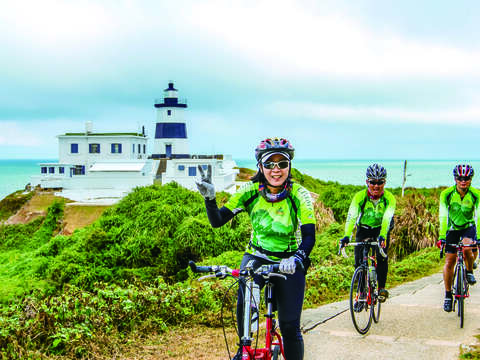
(221, 315)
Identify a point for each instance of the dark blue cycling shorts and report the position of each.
(454, 236)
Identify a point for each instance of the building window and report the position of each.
(61, 170)
(181, 167)
(94, 148)
(51, 170)
(169, 112)
(79, 170)
(144, 148)
(133, 148)
(139, 148)
(116, 148)
(43, 169)
(74, 148)
(192, 171)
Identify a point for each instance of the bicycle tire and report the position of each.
(376, 306)
(460, 294)
(276, 354)
(361, 314)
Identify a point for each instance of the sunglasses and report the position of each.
(376, 182)
(271, 164)
(463, 178)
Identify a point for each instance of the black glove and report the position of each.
(381, 242)
(344, 241)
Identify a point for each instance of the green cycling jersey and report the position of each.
(275, 224)
(457, 213)
(370, 213)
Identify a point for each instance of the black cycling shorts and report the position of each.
(454, 236)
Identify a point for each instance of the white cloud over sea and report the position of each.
(405, 74)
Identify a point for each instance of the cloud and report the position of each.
(309, 110)
(292, 39)
(14, 134)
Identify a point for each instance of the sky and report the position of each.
(340, 79)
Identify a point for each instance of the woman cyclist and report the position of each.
(283, 224)
(458, 217)
(372, 211)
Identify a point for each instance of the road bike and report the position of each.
(364, 303)
(460, 287)
(273, 349)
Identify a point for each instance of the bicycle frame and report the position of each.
(359, 307)
(367, 245)
(460, 247)
(273, 339)
(460, 285)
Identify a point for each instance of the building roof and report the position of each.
(103, 134)
(117, 166)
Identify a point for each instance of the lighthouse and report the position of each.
(171, 141)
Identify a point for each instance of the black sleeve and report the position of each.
(308, 238)
(217, 217)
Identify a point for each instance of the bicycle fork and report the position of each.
(272, 337)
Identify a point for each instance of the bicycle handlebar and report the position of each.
(371, 243)
(457, 246)
(221, 271)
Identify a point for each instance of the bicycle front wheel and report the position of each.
(359, 308)
(460, 293)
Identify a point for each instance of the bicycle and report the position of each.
(273, 349)
(364, 303)
(460, 286)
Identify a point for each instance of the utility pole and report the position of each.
(404, 176)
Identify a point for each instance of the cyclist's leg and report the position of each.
(468, 235)
(450, 259)
(382, 262)
(289, 297)
(452, 238)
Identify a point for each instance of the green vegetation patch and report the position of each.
(127, 272)
(13, 202)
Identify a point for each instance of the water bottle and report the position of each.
(373, 274)
(255, 306)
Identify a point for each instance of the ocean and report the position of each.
(420, 173)
(15, 174)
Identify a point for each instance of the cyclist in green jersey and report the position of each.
(371, 210)
(458, 217)
(283, 231)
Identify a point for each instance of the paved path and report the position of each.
(413, 325)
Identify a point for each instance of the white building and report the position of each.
(102, 165)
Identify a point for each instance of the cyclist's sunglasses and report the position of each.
(376, 182)
(463, 178)
(271, 164)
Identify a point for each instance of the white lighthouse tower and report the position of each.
(171, 141)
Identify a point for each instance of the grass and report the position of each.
(79, 216)
(128, 244)
(199, 343)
